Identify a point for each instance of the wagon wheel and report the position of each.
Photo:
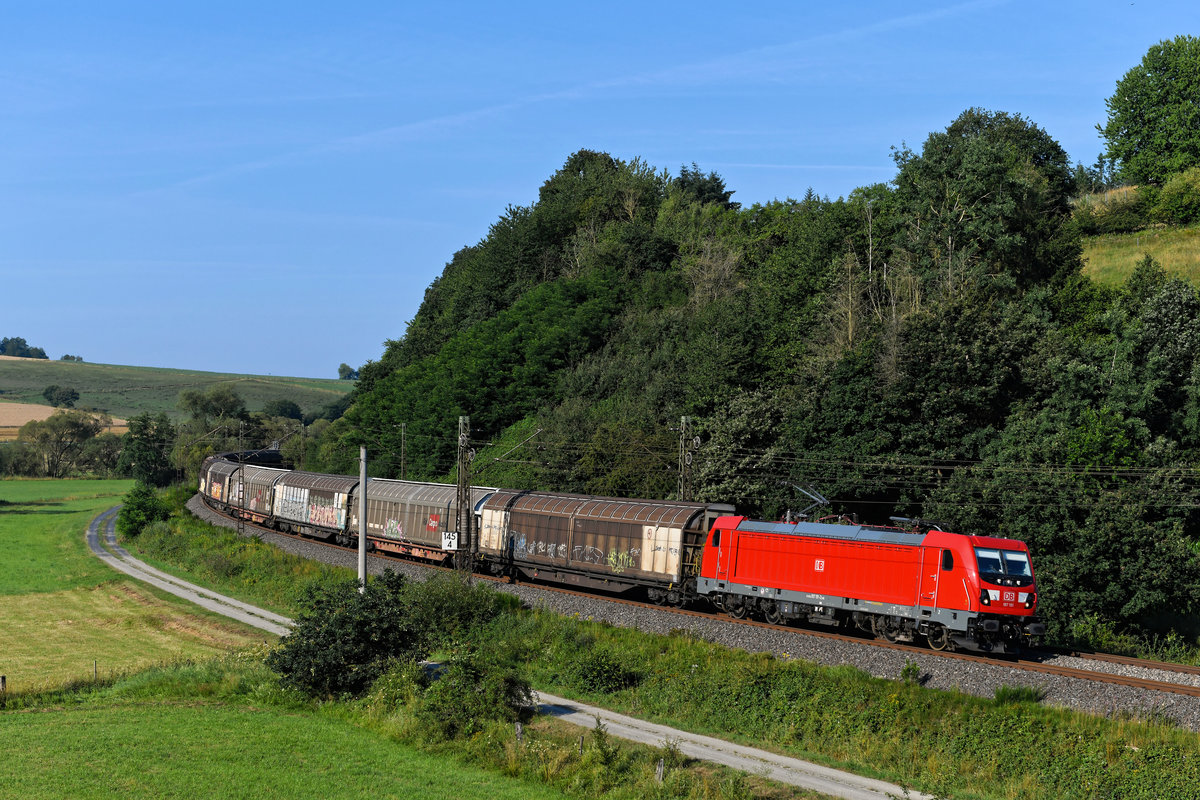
(772, 614)
(938, 637)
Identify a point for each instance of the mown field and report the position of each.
(1110, 259)
(173, 733)
(123, 391)
(14, 415)
(67, 615)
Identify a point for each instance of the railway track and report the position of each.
(1034, 664)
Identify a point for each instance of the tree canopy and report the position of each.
(60, 396)
(1153, 126)
(18, 347)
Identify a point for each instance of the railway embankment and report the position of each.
(989, 729)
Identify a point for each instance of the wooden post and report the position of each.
(658, 771)
(520, 733)
(580, 745)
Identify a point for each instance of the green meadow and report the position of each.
(70, 617)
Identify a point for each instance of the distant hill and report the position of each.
(123, 391)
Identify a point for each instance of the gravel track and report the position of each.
(937, 672)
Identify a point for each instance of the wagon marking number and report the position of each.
(819, 566)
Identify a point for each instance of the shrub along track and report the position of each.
(1098, 685)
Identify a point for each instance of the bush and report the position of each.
(344, 640)
(471, 691)
(1179, 199)
(142, 506)
(446, 608)
(1118, 211)
(600, 670)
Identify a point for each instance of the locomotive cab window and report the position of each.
(1003, 562)
(947, 560)
(716, 540)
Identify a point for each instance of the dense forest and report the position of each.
(927, 348)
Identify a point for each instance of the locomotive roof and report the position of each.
(819, 530)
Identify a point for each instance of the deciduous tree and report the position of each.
(59, 440)
(145, 454)
(1153, 127)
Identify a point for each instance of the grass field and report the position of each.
(207, 731)
(124, 391)
(210, 723)
(1109, 260)
(66, 614)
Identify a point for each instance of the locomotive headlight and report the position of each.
(984, 598)
(1031, 601)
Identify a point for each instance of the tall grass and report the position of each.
(1110, 259)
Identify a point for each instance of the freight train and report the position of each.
(903, 584)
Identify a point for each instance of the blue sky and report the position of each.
(270, 187)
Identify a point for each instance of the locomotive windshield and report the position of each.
(1003, 562)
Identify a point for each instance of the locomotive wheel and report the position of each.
(736, 606)
(772, 615)
(882, 627)
(938, 637)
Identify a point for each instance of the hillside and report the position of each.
(927, 348)
(123, 391)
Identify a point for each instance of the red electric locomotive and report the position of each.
(975, 592)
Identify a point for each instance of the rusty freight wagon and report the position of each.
(314, 504)
(597, 542)
(253, 497)
(409, 517)
(215, 475)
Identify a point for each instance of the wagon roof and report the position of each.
(315, 480)
(417, 492)
(855, 533)
(654, 512)
(262, 474)
(223, 468)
